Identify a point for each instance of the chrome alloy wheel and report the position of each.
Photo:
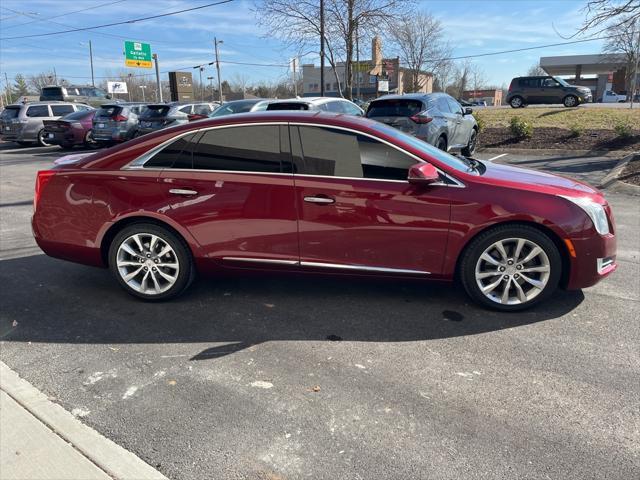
(512, 271)
(147, 263)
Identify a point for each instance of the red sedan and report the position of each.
(321, 193)
(70, 130)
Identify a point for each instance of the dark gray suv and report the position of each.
(546, 90)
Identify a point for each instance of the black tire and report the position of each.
(88, 141)
(186, 272)
(442, 143)
(471, 145)
(471, 257)
(41, 141)
(570, 101)
(516, 102)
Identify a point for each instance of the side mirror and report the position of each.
(423, 173)
(468, 110)
(107, 96)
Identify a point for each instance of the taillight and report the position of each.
(511, 86)
(41, 180)
(421, 118)
(120, 118)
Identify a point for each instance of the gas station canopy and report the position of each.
(583, 64)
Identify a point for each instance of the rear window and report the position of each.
(235, 107)
(156, 111)
(52, 92)
(78, 115)
(288, 106)
(107, 112)
(394, 108)
(9, 113)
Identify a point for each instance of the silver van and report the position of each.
(22, 122)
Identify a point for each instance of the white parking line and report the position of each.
(496, 157)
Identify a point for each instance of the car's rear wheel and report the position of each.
(570, 101)
(41, 139)
(471, 145)
(88, 141)
(516, 102)
(511, 267)
(151, 262)
(442, 143)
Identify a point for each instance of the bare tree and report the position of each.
(536, 70)
(462, 78)
(624, 38)
(42, 79)
(297, 23)
(420, 41)
(478, 78)
(610, 13)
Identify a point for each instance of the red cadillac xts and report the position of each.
(322, 193)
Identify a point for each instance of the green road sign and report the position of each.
(137, 54)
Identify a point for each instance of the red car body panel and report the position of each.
(373, 223)
(69, 132)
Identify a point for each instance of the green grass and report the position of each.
(560, 117)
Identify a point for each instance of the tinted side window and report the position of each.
(202, 109)
(243, 149)
(335, 107)
(175, 155)
(38, 111)
(59, 110)
(186, 109)
(454, 106)
(350, 109)
(443, 105)
(338, 153)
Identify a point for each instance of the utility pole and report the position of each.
(143, 87)
(159, 94)
(215, 45)
(322, 48)
(7, 90)
(293, 73)
(93, 80)
(634, 87)
(358, 69)
(211, 86)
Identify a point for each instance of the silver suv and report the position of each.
(22, 122)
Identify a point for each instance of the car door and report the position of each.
(36, 114)
(450, 118)
(358, 212)
(532, 89)
(462, 131)
(232, 188)
(551, 91)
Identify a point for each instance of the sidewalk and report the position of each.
(41, 440)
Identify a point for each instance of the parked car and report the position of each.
(320, 193)
(436, 118)
(327, 104)
(198, 111)
(115, 122)
(163, 115)
(23, 122)
(240, 106)
(75, 93)
(70, 130)
(546, 90)
(610, 96)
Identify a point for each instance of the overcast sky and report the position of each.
(185, 40)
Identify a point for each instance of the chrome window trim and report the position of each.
(145, 157)
(338, 266)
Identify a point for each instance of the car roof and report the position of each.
(43, 102)
(412, 96)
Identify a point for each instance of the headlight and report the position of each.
(594, 210)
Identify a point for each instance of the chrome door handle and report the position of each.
(182, 191)
(320, 200)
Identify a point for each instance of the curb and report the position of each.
(549, 151)
(612, 176)
(107, 455)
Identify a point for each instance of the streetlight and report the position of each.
(93, 82)
(142, 87)
(217, 42)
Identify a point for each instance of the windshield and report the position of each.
(9, 113)
(429, 150)
(108, 111)
(394, 108)
(561, 82)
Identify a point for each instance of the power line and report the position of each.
(57, 16)
(135, 20)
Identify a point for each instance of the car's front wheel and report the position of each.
(151, 262)
(511, 267)
(570, 101)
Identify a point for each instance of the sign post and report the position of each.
(137, 54)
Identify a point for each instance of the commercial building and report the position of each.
(492, 97)
(598, 72)
(371, 78)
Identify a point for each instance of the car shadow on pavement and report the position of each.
(49, 301)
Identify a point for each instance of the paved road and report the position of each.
(268, 377)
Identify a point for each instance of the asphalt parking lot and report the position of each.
(281, 378)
